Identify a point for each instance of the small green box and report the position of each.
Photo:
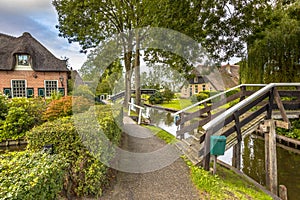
(217, 144)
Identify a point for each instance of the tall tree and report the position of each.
(91, 22)
(273, 52)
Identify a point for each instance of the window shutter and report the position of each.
(7, 92)
(62, 91)
(30, 92)
(41, 92)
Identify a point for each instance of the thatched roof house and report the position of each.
(27, 68)
(41, 58)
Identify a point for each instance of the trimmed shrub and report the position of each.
(80, 142)
(25, 175)
(65, 106)
(22, 115)
(156, 98)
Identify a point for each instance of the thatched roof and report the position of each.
(41, 58)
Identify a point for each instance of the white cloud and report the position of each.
(38, 17)
(25, 6)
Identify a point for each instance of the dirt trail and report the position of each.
(170, 182)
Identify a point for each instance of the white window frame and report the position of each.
(46, 87)
(23, 67)
(12, 88)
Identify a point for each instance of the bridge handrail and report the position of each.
(245, 102)
(217, 95)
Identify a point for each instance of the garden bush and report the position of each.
(22, 115)
(65, 106)
(79, 141)
(156, 98)
(25, 175)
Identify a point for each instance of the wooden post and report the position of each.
(283, 192)
(270, 157)
(271, 102)
(206, 158)
(129, 109)
(215, 165)
(181, 115)
(237, 149)
(140, 116)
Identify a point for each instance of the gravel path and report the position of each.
(170, 182)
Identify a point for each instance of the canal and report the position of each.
(253, 155)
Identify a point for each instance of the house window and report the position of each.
(196, 80)
(23, 59)
(18, 88)
(50, 87)
(196, 89)
(203, 87)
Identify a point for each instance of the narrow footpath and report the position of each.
(170, 182)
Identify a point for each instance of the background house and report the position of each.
(211, 79)
(195, 85)
(28, 69)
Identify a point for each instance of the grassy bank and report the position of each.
(225, 185)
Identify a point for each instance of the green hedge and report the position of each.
(19, 115)
(25, 175)
(79, 141)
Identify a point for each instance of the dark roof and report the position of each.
(42, 59)
(201, 78)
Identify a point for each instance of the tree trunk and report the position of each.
(137, 72)
(127, 95)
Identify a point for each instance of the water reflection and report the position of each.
(12, 148)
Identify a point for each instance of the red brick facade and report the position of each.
(33, 79)
(28, 69)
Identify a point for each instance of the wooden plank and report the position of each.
(280, 106)
(253, 103)
(289, 93)
(282, 124)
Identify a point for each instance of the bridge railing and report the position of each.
(211, 108)
(263, 102)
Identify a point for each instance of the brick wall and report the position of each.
(34, 79)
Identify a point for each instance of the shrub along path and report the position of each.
(170, 182)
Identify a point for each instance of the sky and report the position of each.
(38, 17)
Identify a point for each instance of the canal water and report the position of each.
(12, 148)
(253, 155)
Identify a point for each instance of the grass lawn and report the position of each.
(180, 104)
(225, 185)
(162, 134)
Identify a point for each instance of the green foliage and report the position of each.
(294, 132)
(273, 49)
(199, 97)
(3, 106)
(156, 98)
(25, 175)
(84, 91)
(81, 142)
(55, 95)
(168, 94)
(22, 115)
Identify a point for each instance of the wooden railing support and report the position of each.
(270, 157)
(206, 158)
(237, 149)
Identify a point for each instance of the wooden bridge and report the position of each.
(251, 104)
